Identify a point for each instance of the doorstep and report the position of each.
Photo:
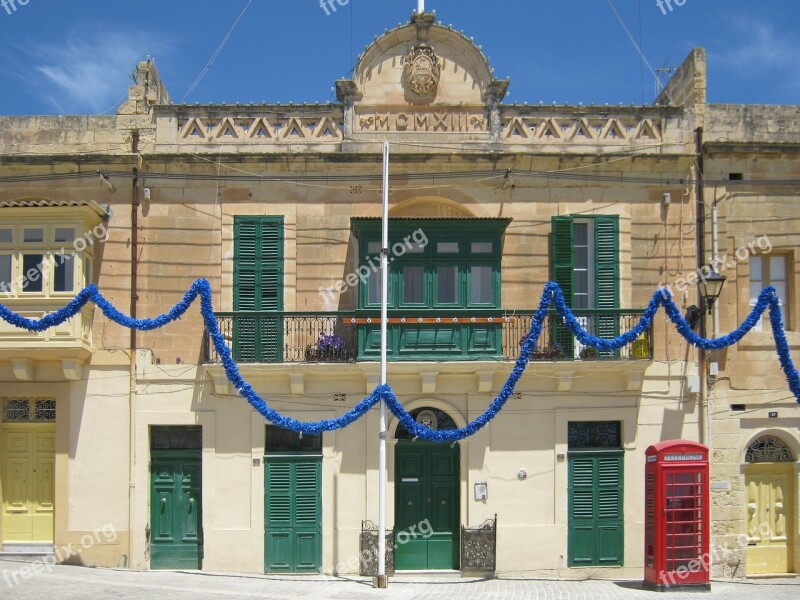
(27, 552)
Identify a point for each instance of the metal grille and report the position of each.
(24, 410)
(594, 434)
(479, 547)
(17, 411)
(176, 437)
(368, 556)
(45, 410)
(768, 449)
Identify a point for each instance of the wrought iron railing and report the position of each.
(282, 337)
(557, 343)
(285, 337)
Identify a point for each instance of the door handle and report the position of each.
(163, 500)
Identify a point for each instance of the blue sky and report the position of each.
(75, 57)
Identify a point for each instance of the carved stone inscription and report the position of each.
(445, 121)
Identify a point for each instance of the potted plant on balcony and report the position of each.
(549, 352)
(328, 348)
(588, 353)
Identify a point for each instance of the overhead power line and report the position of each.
(216, 54)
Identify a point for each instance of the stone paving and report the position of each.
(19, 580)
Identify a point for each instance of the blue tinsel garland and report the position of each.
(552, 295)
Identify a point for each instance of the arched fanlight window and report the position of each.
(430, 417)
(768, 449)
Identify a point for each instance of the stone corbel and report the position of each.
(373, 381)
(73, 370)
(635, 381)
(298, 384)
(564, 381)
(429, 381)
(485, 381)
(24, 369)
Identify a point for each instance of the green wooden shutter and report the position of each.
(308, 516)
(258, 288)
(581, 512)
(606, 270)
(609, 511)
(561, 242)
(293, 514)
(595, 510)
(279, 539)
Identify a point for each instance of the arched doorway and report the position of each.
(770, 501)
(427, 501)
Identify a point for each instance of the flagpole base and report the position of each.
(381, 582)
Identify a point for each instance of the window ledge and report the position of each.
(764, 340)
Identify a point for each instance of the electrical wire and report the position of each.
(247, 176)
(216, 54)
(638, 49)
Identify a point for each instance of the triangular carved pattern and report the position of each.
(327, 128)
(195, 128)
(582, 131)
(516, 128)
(261, 129)
(614, 130)
(647, 131)
(293, 129)
(550, 130)
(227, 130)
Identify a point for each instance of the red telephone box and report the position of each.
(677, 524)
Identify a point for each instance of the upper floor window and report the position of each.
(46, 260)
(585, 260)
(765, 271)
(440, 264)
(258, 288)
(585, 264)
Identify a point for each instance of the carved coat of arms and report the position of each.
(422, 70)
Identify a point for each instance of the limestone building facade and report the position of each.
(278, 206)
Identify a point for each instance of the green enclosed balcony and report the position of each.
(476, 335)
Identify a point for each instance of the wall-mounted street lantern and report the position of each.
(711, 287)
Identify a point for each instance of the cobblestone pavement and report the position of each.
(68, 583)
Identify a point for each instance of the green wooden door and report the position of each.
(595, 509)
(258, 289)
(293, 537)
(426, 489)
(176, 536)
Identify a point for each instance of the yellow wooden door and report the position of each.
(769, 517)
(28, 484)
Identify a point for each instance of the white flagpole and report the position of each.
(382, 580)
(420, 6)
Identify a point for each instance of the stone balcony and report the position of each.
(56, 354)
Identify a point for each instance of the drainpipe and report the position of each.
(701, 251)
(132, 397)
(715, 252)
